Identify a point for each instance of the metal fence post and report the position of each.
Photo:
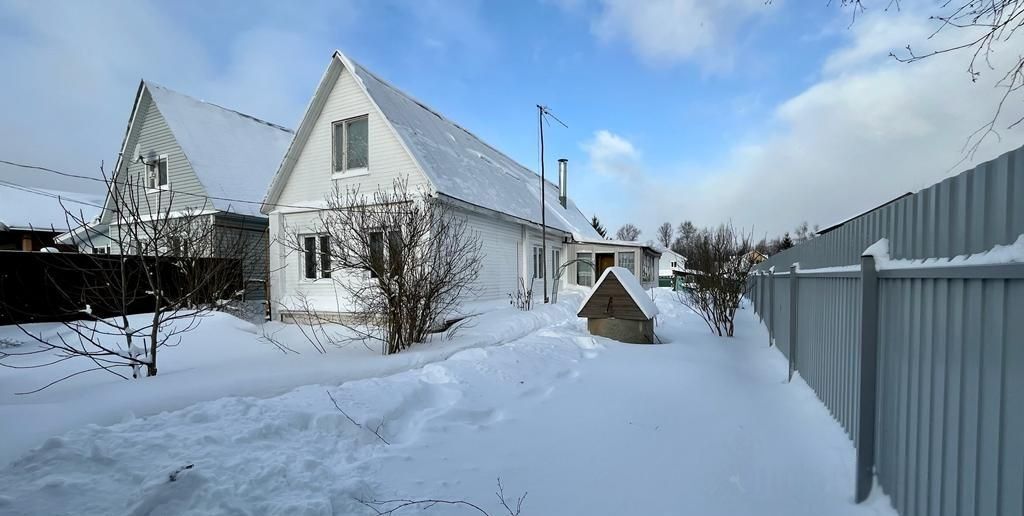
(794, 320)
(868, 376)
(771, 306)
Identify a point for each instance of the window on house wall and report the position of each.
(156, 173)
(389, 258)
(585, 271)
(325, 256)
(627, 260)
(538, 262)
(645, 268)
(351, 144)
(101, 250)
(316, 258)
(556, 261)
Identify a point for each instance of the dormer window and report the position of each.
(156, 173)
(351, 145)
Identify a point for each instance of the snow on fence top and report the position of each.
(631, 285)
(233, 154)
(464, 167)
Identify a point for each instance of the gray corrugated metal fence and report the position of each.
(937, 410)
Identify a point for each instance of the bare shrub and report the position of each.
(401, 262)
(522, 298)
(720, 261)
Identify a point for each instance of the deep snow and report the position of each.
(701, 425)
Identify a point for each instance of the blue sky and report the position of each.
(765, 115)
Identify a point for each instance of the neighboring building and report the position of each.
(185, 157)
(31, 218)
(382, 134)
(671, 269)
(638, 258)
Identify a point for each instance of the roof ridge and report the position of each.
(151, 84)
(441, 116)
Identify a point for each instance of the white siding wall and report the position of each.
(152, 137)
(532, 238)
(310, 180)
(499, 274)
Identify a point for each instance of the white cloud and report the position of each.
(868, 130)
(669, 31)
(612, 155)
(75, 69)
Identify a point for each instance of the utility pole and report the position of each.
(543, 111)
(543, 207)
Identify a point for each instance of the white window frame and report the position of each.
(618, 261)
(318, 272)
(587, 269)
(345, 171)
(556, 258)
(152, 172)
(538, 265)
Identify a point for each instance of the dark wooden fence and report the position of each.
(38, 287)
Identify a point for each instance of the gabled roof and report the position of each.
(457, 163)
(631, 285)
(233, 155)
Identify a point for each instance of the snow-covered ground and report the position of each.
(700, 425)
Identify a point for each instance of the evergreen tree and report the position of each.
(594, 221)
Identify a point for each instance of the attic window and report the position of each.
(156, 173)
(350, 144)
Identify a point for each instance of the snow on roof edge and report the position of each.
(633, 288)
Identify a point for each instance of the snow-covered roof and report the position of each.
(39, 209)
(633, 288)
(233, 154)
(621, 243)
(458, 164)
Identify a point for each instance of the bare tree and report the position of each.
(721, 261)
(628, 232)
(684, 234)
(665, 235)
(401, 262)
(182, 267)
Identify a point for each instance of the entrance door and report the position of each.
(604, 260)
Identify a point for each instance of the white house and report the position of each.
(360, 131)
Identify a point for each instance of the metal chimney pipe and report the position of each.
(563, 177)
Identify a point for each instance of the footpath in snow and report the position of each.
(700, 425)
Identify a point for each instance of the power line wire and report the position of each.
(177, 192)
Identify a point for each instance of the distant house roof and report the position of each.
(234, 155)
(25, 208)
(838, 224)
(632, 287)
(457, 163)
(651, 246)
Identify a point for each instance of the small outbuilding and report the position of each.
(619, 308)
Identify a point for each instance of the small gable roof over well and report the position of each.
(618, 294)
